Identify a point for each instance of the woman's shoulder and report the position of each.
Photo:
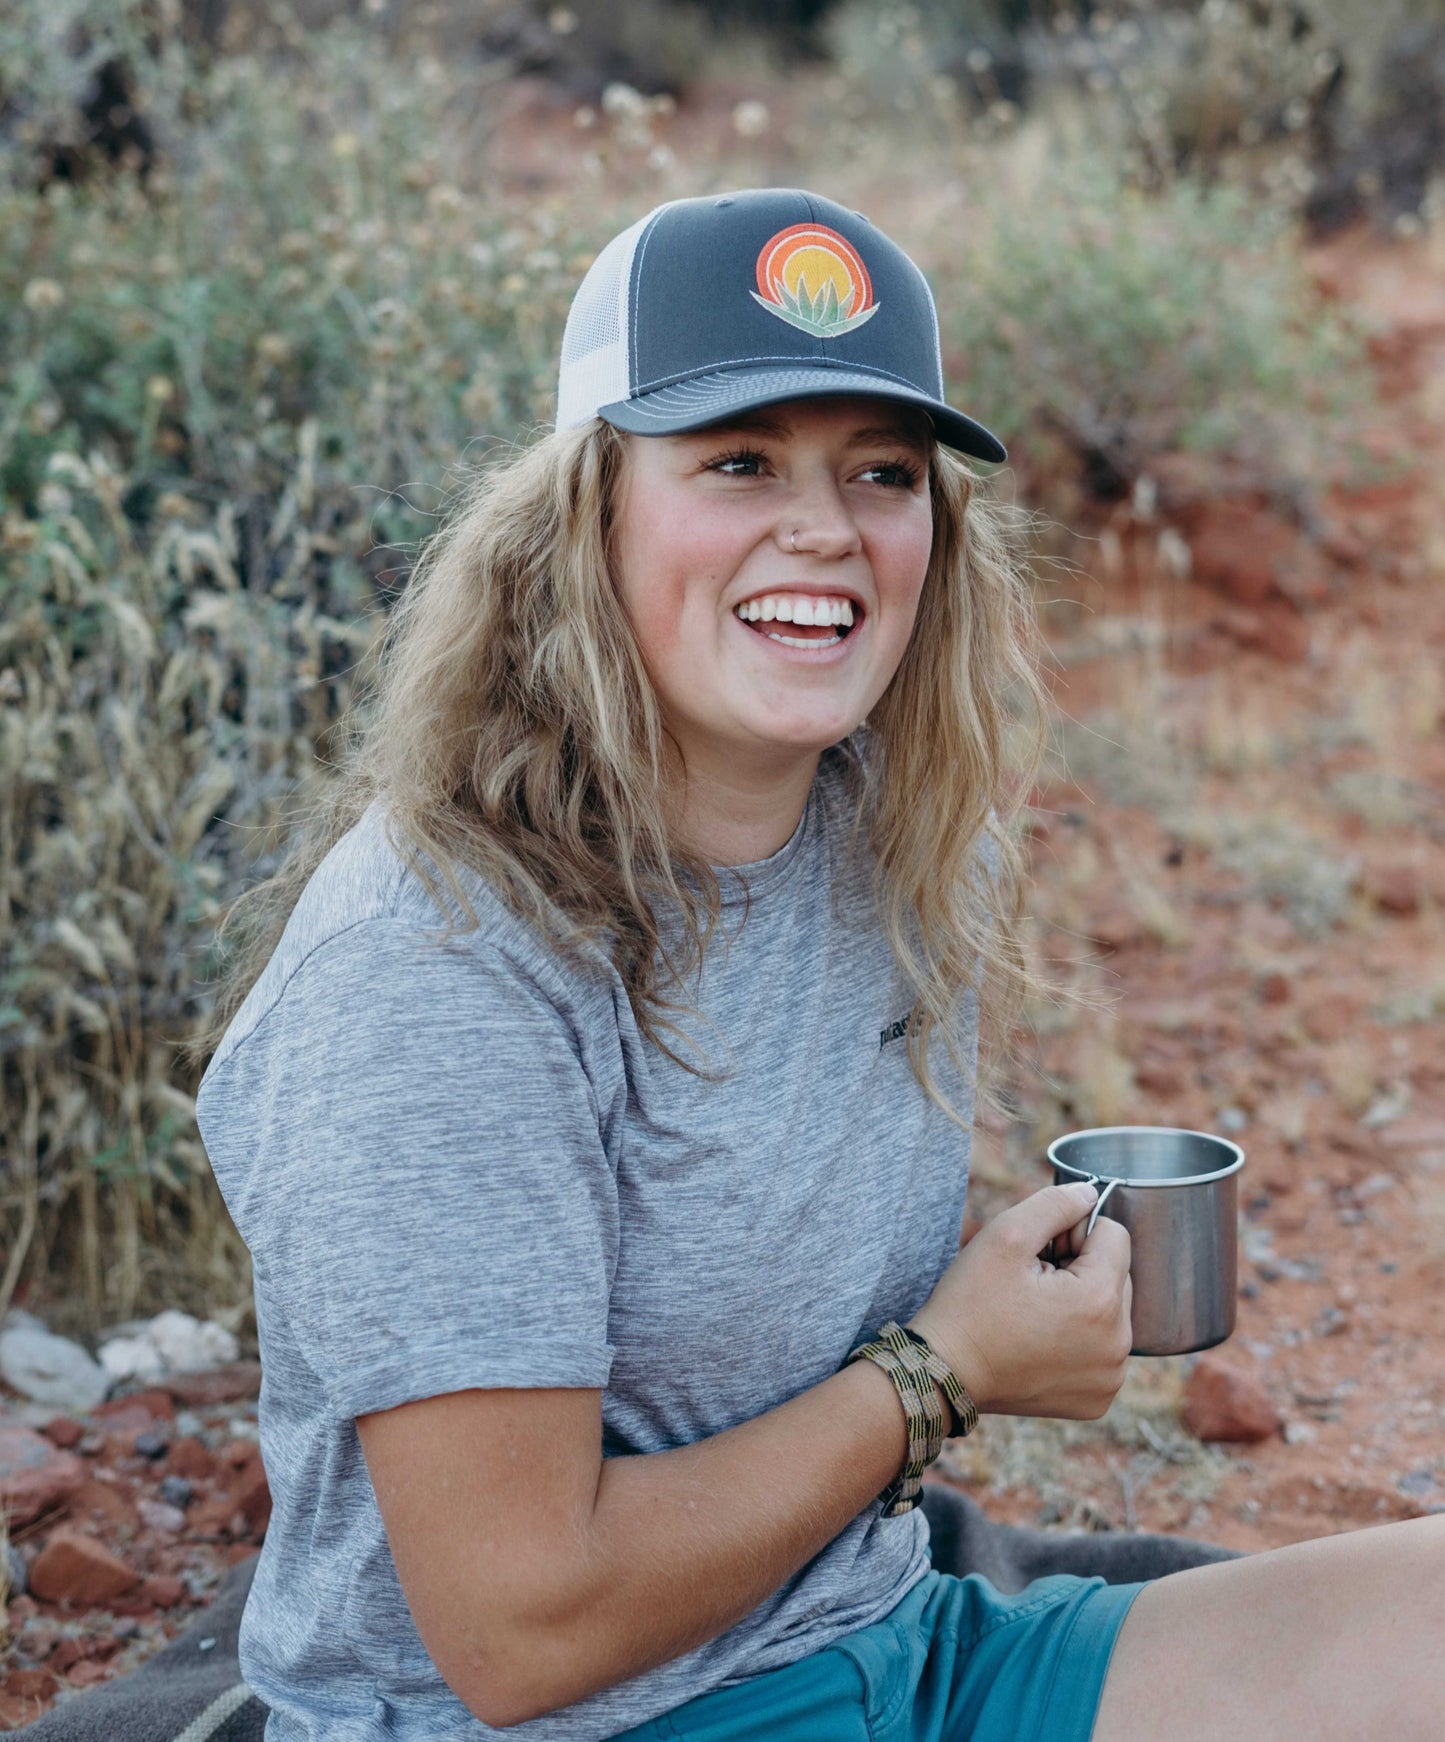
(377, 907)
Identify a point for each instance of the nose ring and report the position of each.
(793, 541)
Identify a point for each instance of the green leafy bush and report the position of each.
(1182, 319)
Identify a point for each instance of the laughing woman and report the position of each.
(594, 1091)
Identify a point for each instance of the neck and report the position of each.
(732, 813)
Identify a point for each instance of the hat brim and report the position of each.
(709, 399)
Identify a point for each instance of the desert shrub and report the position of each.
(1136, 323)
(1330, 106)
(215, 393)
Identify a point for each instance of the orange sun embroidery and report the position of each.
(813, 278)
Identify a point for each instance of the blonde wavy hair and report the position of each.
(509, 726)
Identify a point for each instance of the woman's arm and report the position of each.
(537, 1572)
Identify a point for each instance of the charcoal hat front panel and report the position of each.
(695, 308)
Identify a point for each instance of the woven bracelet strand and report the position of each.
(907, 1367)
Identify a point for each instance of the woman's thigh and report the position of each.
(1337, 1640)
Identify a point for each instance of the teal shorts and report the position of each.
(955, 1661)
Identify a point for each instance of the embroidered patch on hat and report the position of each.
(813, 278)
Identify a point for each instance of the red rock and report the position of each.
(251, 1497)
(72, 1568)
(1162, 1080)
(163, 1590)
(68, 1652)
(105, 1503)
(1224, 1403)
(63, 1432)
(233, 1383)
(1275, 989)
(1344, 546)
(211, 1518)
(147, 1406)
(1238, 549)
(31, 1684)
(191, 1458)
(88, 1674)
(35, 1478)
(239, 1453)
(1395, 889)
(1278, 631)
(18, 1710)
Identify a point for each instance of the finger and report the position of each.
(1050, 1212)
(1106, 1249)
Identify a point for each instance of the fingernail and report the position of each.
(1089, 1195)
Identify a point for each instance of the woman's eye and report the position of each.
(894, 474)
(744, 464)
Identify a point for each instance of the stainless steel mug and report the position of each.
(1177, 1192)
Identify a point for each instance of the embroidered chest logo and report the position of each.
(894, 1031)
(813, 278)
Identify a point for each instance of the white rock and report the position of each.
(50, 1369)
(132, 1358)
(171, 1342)
(190, 1345)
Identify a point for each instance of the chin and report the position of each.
(814, 737)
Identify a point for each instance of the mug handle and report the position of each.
(1102, 1200)
(1055, 1256)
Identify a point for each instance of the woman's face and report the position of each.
(743, 627)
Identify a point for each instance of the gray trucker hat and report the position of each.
(709, 307)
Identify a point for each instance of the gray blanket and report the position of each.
(193, 1691)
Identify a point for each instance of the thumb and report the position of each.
(1050, 1212)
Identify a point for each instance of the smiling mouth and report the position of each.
(802, 620)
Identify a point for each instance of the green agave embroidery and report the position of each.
(822, 314)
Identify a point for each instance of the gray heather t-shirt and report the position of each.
(463, 1166)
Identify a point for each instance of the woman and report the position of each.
(598, 1121)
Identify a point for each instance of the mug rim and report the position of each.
(1193, 1179)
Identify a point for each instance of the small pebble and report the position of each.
(150, 1445)
(159, 1516)
(14, 1571)
(188, 1424)
(177, 1491)
(125, 1627)
(205, 1644)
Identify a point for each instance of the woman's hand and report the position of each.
(1026, 1338)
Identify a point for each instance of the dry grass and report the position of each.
(1137, 1442)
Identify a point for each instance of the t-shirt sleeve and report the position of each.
(410, 1146)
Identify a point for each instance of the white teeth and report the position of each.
(798, 641)
(796, 608)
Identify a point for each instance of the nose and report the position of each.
(818, 523)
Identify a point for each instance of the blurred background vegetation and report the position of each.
(272, 277)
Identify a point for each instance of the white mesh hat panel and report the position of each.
(595, 361)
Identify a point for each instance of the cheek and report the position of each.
(901, 565)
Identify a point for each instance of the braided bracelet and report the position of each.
(913, 1366)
